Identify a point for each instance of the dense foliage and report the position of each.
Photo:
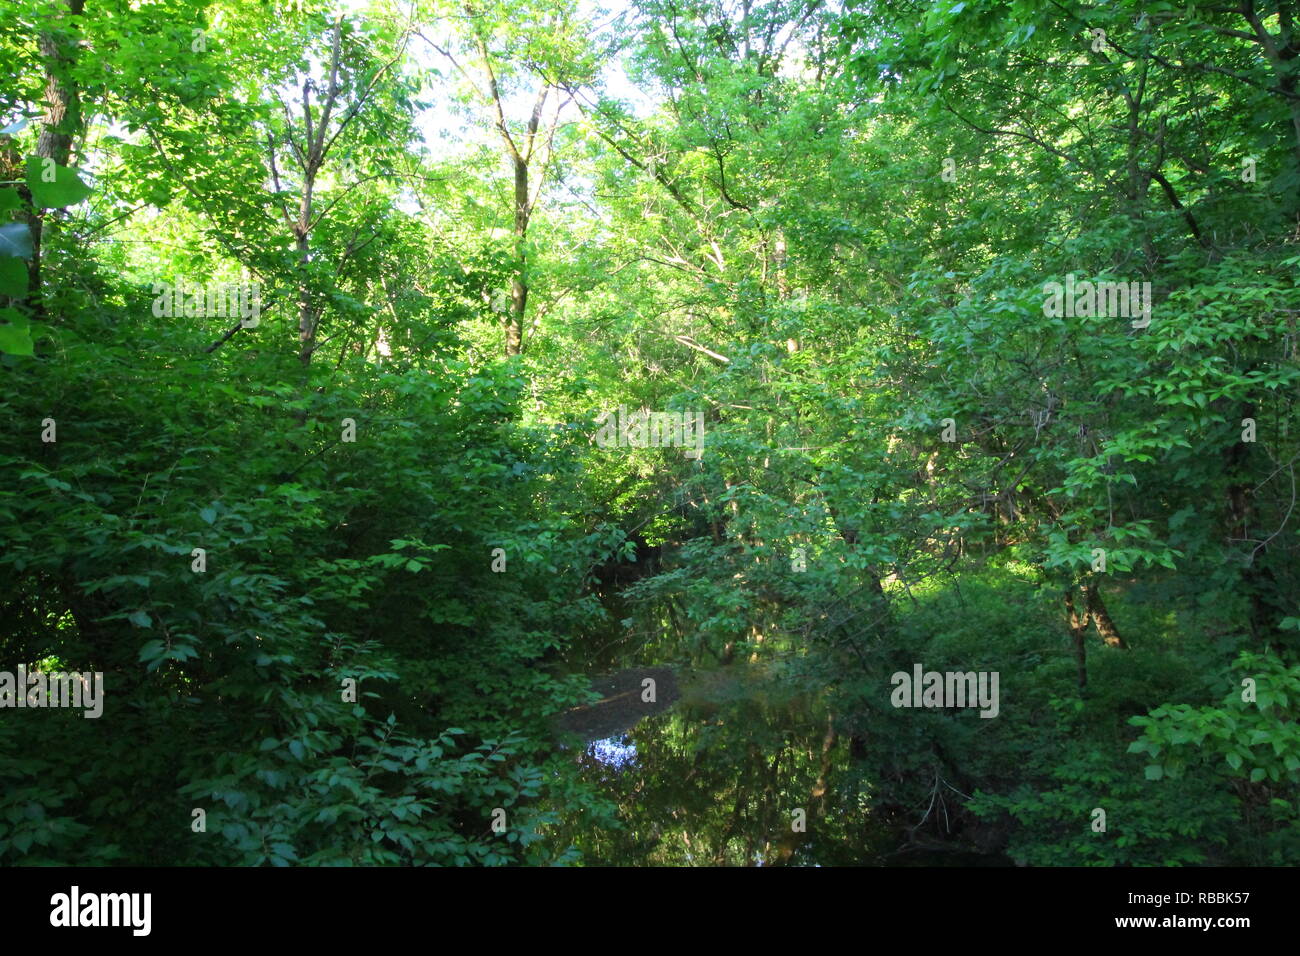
(344, 543)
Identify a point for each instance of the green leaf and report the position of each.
(54, 186)
(13, 277)
(16, 240)
(1154, 771)
(15, 334)
(140, 619)
(152, 651)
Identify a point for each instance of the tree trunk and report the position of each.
(306, 321)
(519, 284)
(1101, 617)
(1078, 631)
(58, 129)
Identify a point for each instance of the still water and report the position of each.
(726, 766)
(696, 762)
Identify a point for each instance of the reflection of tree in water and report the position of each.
(716, 781)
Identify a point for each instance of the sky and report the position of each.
(443, 120)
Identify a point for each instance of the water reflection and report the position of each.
(690, 761)
(617, 753)
(720, 777)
